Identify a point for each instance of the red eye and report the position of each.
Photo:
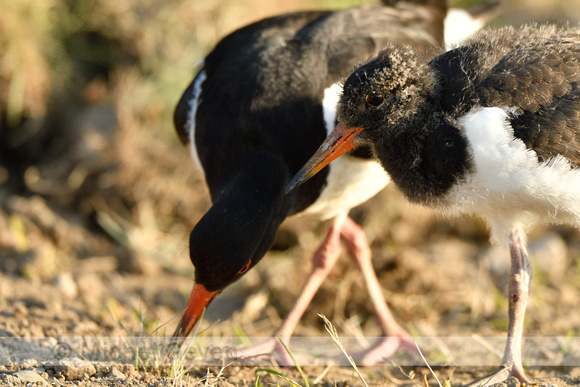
(245, 268)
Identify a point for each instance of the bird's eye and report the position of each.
(244, 268)
(375, 99)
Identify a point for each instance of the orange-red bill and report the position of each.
(199, 299)
(340, 141)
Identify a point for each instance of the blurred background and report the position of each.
(93, 183)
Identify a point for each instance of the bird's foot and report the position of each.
(271, 349)
(503, 374)
(384, 348)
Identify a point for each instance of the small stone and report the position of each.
(7, 333)
(510, 382)
(29, 364)
(30, 377)
(20, 310)
(8, 380)
(74, 369)
(116, 374)
(67, 286)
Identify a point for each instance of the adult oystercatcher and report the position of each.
(262, 103)
(491, 127)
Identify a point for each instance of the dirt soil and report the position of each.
(94, 252)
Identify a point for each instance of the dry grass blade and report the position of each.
(334, 335)
(410, 375)
(322, 375)
(428, 366)
(487, 346)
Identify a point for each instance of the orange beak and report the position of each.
(199, 299)
(340, 141)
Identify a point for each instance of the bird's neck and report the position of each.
(426, 157)
(242, 222)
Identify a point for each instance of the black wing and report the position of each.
(536, 71)
(540, 78)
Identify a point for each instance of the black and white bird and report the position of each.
(491, 128)
(262, 103)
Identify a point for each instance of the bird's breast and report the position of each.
(508, 179)
(351, 181)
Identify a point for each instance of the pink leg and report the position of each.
(323, 261)
(395, 336)
(519, 287)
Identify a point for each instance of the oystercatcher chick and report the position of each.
(491, 128)
(262, 103)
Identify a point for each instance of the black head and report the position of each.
(387, 102)
(237, 231)
(384, 92)
(222, 250)
(220, 258)
(220, 255)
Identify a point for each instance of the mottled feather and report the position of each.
(536, 71)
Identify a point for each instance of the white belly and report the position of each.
(509, 185)
(350, 182)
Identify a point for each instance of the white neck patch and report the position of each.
(329, 103)
(351, 181)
